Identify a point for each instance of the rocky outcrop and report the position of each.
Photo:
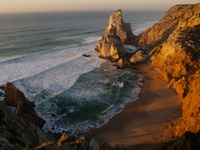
(24, 108)
(159, 32)
(17, 133)
(178, 61)
(137, 57)
(117, 34)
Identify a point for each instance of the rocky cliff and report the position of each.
(19, 127)
(17, 133)
(176, 57)
(160, 31)
(174, 47)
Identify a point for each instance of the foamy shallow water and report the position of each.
(94, 99)
(71, 91)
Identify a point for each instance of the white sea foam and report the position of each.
(130, 48)
(90, 94)
(53, 71)
(86, 125)
(91, 39)
(2, 59)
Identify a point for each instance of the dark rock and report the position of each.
(1, 94)
(94, 145)
(17, 133)
(2, 87)
(188, 141)
(86, 55)
(24, 108)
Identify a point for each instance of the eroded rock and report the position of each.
(117, 34)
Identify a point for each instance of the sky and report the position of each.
(71, 5)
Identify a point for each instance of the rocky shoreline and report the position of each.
(172, 47)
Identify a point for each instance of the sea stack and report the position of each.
(117, 34)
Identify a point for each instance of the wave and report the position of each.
(21, 67)
(91, 39)
(57, 79)
(4, 59)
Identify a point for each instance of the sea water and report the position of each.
(42, 54)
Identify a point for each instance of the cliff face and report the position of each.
(159, 32)
(16, 133)
(20, 130)
(177, 59)
(117, 34)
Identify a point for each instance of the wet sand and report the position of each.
(141, 120)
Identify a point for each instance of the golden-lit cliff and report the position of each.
(176, 57)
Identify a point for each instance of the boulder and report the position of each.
(63, 139)
(137, 57)
(120, 64)
(24, 108)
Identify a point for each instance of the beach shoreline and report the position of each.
(141, 121)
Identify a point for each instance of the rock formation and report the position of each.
(174, 46)
(17, 133)
(177, 59)
(159, 32)
(137, 57)
(24, 108)
(117, 34)
(174, 43)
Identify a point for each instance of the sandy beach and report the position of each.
(141, 120)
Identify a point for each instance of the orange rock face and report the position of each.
(177, 59)
(24, 108)
(159, 32)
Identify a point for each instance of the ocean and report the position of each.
(42, 55)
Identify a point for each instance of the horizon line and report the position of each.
(100, 10)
